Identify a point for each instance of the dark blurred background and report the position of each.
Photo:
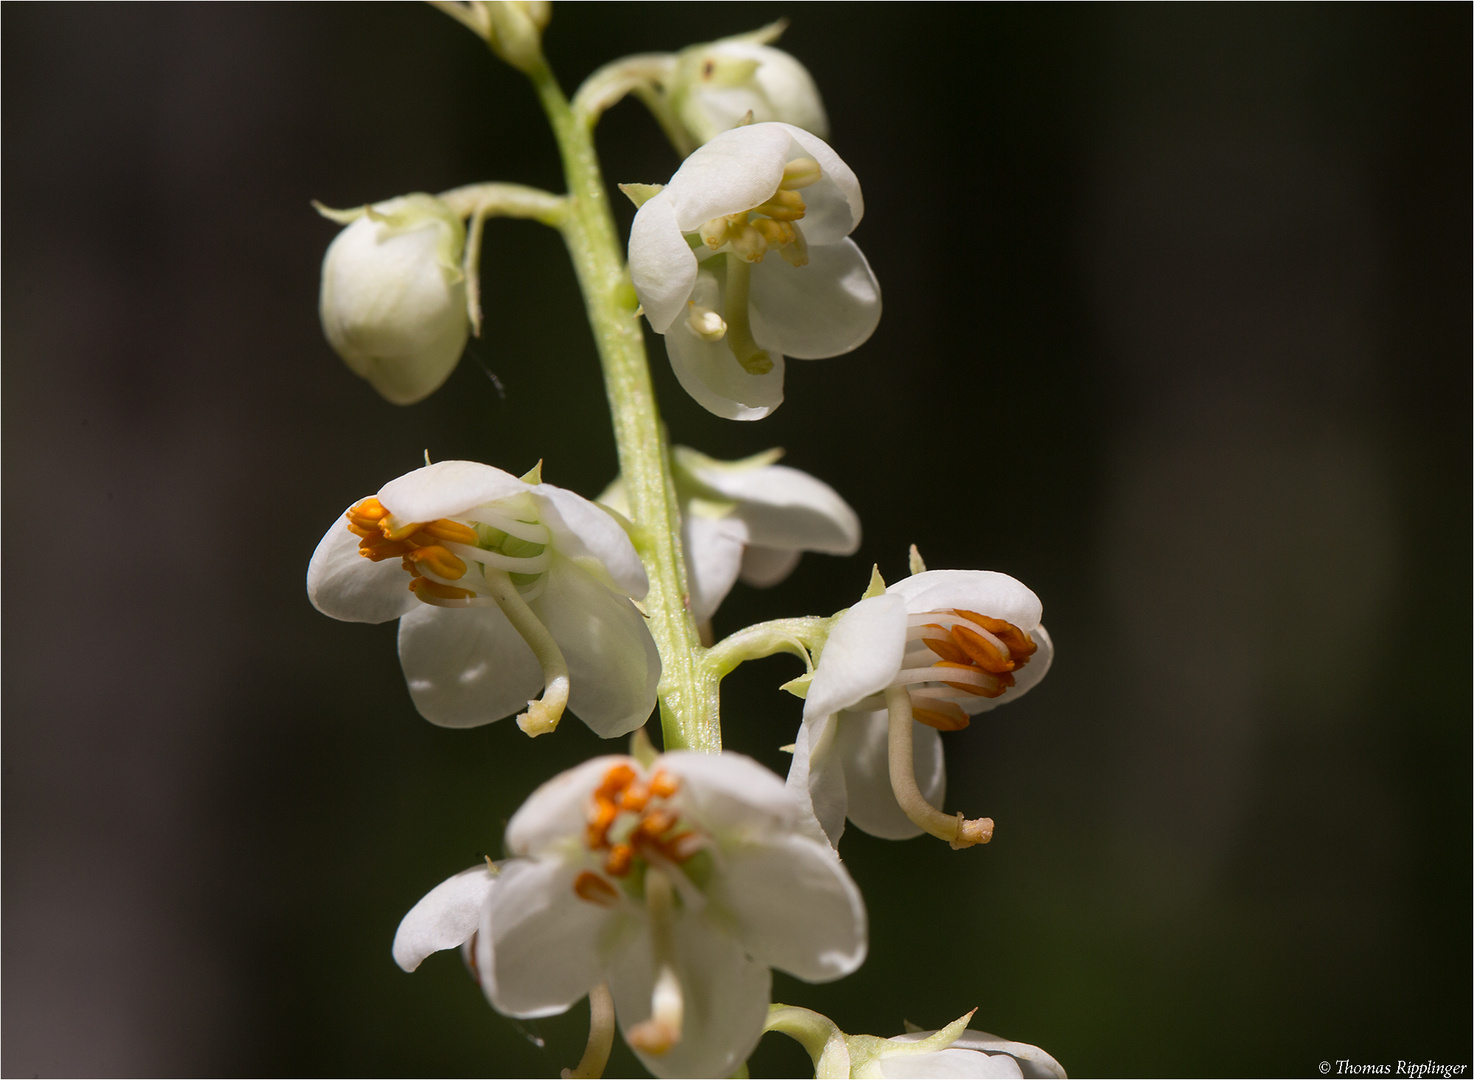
(1177, 331)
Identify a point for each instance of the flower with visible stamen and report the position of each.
(699, 261)
(501, 587)
(933, 650)
(680, 884)
(750, 519)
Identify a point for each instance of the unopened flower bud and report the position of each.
(717, 84)
(393, 301)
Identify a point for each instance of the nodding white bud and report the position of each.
(718, 85)
(393, 301)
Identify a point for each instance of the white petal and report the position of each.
(988, 593)
(796, 907)
(711, 374)
(613, 665)
(732, 795)
(816, 780)
(863, 746)
(736, 171)
(559, 808)
(1032, 1061)
(446, 489)
(661, 263)
(834, 204)
(826, 308)
(343, 584)
(584, 531)
(466, 666)
(948, 1064)
(445, 918)
(786, 508)
(548, 946)
(764, 567)
(1025, 679)
(725, 993)
(861, 657)
(714, 554)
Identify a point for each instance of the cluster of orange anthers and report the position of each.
(416, 544)
(991, 657)
(654, 833)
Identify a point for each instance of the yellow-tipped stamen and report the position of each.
(775, 233)
(754, 359)
(782, 205)
(601, 1036)
(667, 1004)
(957, 830)
(748, 242)
(542, 714)
(796, 252)
(800, 173)
(714, 232)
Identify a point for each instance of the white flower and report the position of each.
(730, 315)
(680, 885)
(716, 85)
(956, 643)
(393, 301)
(501, 587)
(750, 519)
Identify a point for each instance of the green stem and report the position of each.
(688, 716)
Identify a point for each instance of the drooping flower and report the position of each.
(729, 314)
(953, 1051)
(393, 301)
(680, 885)
(716, 86)
(501, 587)
(749, 519)
(931, 652)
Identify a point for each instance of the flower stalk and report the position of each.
(688, 719)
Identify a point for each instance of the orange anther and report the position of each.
(946, 716)
(981, 651)
(425, 587)
(615, 781)
(378, 549)
(601, 816)
(367, 514)
(454, 531)
(945, 647)
(992, 685)
(1020, 645)
(400, 530)
(439, 560)
(635, 797)
(681, 846)
(663, 785)
(591, 887)
(618, 860)
(653, 824)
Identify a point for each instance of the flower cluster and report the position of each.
(665, 888)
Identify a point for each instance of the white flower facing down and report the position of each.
(748, 519)
(501, 587)
(716, 86)
(681, 885)
(729, 313)
(393, 301)
(953, 643)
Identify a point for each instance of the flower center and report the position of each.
(439, 555)
(955, 654)
(632, 826)
(745, 238)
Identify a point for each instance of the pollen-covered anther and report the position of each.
(591, 887)
(438, 560)
(989, 650)
(431, 591)
(704, 322)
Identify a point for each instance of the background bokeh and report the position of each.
(1177, 331)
